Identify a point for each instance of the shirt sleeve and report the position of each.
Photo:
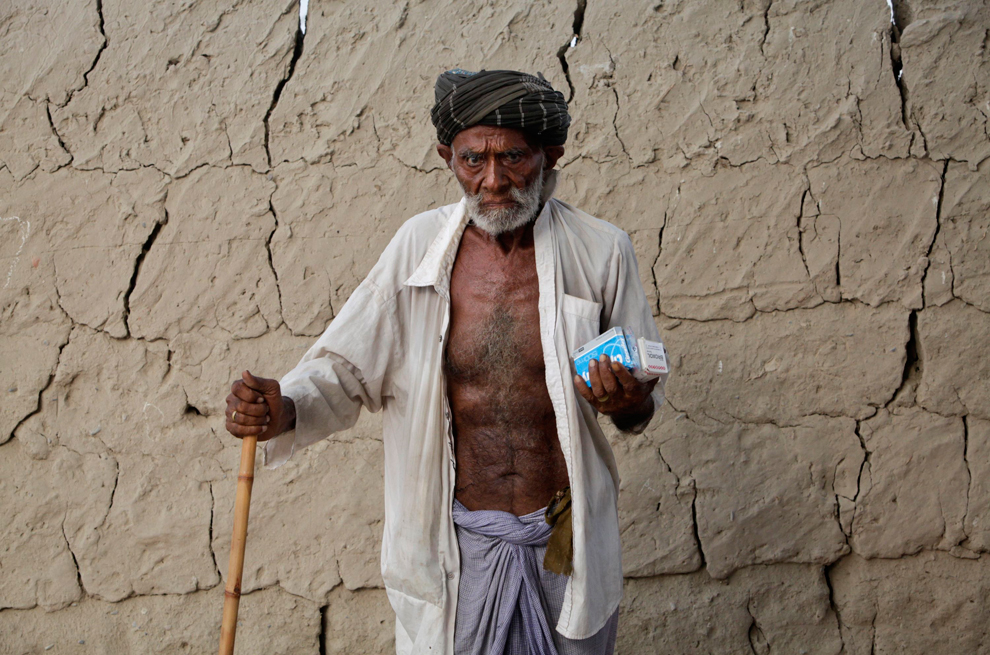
(625, 306)
(344, 370)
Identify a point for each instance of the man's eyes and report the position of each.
(508, 157)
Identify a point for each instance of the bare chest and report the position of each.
(508, 454)
(495, 321)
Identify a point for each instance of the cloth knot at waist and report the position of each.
(500, 594)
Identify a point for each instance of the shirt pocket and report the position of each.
(581, 320)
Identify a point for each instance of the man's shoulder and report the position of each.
(585, 227)
(414, 237)
(424, 226)
(408, 246)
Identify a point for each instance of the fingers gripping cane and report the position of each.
(242, 505)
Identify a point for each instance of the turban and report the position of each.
(499, 98)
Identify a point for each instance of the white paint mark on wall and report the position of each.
(720, 366)
(144, 410)
(303, 10)
(25, 233)
(590, 70)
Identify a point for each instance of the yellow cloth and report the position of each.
(560, 548)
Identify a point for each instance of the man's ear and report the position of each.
(446, 154)
(553, 153)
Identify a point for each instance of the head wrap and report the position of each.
(500, 98)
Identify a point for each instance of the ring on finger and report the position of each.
(233, 417)
(602, 399)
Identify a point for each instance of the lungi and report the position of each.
(507, 603)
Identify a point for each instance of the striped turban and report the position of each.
(499, 98)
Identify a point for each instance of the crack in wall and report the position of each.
(296, 54)
(758, 642)
(913, 366)
(150, 241)
(271, 259)
(969, 472)
(322, 637)
(826, 574)
(412, 167)
(75, 560)
(576, 26)
(48, 384)
(106, 42)
(694, 523)
(113, 492)
(223, 125)
(859, 479)
(653, 266)
(800, 227)
(61, 143)
(938, 228)
(670, 470)
(615, 124)
(766, 27)
(838, 253)
(96, 59)
(58, 299)
(213, 513)
(899, 19)
(873, 633)
(757, 311)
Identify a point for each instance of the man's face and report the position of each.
(501, 174)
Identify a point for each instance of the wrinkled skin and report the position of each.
(505, 436)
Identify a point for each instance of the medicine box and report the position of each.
(645, 359)
(652, 358)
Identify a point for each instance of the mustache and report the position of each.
(496, 220)
(517, 196)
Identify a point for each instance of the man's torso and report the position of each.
(505, 438)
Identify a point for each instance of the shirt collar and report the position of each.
(434, 269)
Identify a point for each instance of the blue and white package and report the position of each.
(612, 343)
(646, 360)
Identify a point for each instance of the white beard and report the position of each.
(505, 219)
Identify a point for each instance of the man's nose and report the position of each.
(495, 180)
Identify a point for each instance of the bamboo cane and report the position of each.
(242, 505)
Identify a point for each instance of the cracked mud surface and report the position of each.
(191, 191)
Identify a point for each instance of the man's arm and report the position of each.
(625, 305)
(345, 370)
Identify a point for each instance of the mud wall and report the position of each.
(191, 188)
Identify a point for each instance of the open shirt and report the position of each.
(385, 350)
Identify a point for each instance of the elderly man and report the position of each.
(501, 527)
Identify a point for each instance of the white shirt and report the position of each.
(384, 350)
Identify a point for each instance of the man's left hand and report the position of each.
(614, 391)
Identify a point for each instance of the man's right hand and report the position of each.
(256, 407)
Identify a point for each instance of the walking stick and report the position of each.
(242, 505)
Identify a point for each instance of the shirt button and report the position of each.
(450, 575)
(441, 338)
